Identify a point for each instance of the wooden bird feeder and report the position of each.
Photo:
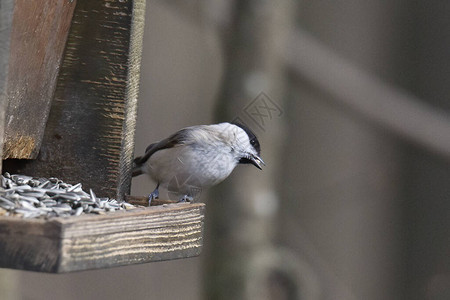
(69, 75)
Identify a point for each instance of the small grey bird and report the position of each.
(197, 157)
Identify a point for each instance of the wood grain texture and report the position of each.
(38, 36)
(89, 136)
(6, 14)
(132, 92)
(102, 241)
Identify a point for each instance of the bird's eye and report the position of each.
(253, 142)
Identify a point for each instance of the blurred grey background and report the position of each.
(350, 100)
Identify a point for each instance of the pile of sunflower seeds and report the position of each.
(30, 197)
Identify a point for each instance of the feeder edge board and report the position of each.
(115, 239)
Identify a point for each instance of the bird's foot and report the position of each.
(185, 199)
(153, 195)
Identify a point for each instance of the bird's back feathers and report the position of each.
(174, 140)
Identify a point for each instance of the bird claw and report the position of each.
(153, 195)
(185, 199)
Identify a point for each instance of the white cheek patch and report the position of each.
(242, 140)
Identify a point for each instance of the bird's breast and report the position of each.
(200, 166)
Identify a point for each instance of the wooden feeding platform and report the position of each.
(69, 78)
(141, 235)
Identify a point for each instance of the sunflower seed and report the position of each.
(30, 197)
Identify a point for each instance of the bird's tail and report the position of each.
(137, 167)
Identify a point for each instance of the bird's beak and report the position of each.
(256, 161)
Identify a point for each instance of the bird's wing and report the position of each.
(176, 139)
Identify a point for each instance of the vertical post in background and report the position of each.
(427, 209)
(242, 260)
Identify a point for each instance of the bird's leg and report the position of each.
(186, 198)
(153, 195)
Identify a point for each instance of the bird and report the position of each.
(197, 157)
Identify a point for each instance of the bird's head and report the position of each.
(247, 146)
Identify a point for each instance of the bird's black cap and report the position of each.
(251, 136)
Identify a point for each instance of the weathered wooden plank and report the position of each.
(38, 35)
(89, 136)
(6, 13)
(101, 241)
